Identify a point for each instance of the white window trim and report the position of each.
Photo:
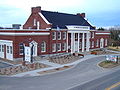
(44, 48)
(8, 49)
(59, 35)
(60, 47)
(64, 46)
(53, 47)
(20, 49)
(54, 36)
(64, 37)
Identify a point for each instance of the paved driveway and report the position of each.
(80, 74)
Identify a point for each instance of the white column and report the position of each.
(71, 42)
(67, 41)
(87, 42)
(74, 42)
(83, 42)
(78, 41)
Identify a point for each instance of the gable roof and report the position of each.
(62, 19)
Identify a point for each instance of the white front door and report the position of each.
(34, 44)
(6, 49)
(101, 43)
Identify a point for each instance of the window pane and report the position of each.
(7, 49)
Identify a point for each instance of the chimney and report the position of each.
(36, 9)
(81, 14)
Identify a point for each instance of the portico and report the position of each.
(80, 39)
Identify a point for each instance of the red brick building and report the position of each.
(51, 33)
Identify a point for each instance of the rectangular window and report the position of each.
(53, 35)
(11, 51)
(59, 47)
(43, 47)
(2, 48)
(64, 46)
(97, 43)
(64, 35)
(59, 35)
(54, 47)
(7, 49)
(21, 47)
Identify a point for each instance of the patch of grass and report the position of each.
(108, 64)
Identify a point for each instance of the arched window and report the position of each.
(43, 46)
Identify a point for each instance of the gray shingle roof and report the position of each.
(62, 19)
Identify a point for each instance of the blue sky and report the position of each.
(100, 13)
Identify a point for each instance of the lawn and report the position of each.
(114, 48)
(108, 64)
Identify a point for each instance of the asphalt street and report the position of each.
(81, 74)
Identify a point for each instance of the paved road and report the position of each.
(82, 73)
(108, 82)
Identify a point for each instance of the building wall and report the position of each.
(34, 18)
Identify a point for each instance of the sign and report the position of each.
(111, 58)
(77, 27)
(27, 54)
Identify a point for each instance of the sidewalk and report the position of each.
(53, 66)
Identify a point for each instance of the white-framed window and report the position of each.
(97, 43)
(21, 48)
(0, 48)
(11, 51)
(53, 47)
(59, 47)
(64, 46)
(92, 44)
(43, 46)
(53, 35)
(106, 42)
(59, 35)
(64, 35)
(8, 50)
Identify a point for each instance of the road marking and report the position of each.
(113, 86)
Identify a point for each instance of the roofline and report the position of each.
(44, 18)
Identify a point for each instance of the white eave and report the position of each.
(102, 33)
(44, 18)
(24, 34)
